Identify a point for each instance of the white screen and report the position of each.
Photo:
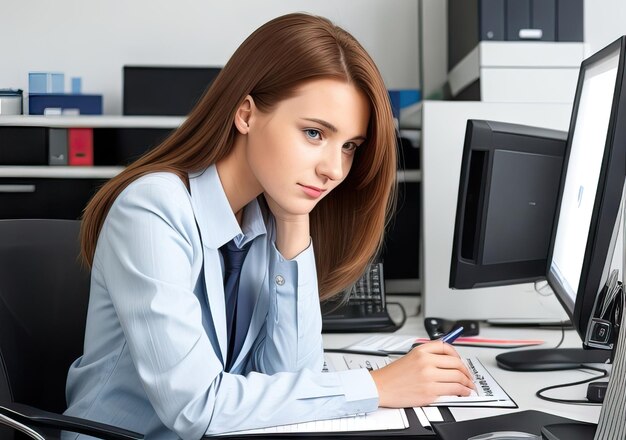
(583, 172)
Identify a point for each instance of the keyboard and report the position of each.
(365, 310)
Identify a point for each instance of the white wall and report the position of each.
(94, 39)
(605, 21)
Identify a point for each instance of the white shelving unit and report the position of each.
(92, 121)
(61, 191)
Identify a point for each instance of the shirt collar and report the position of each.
(216, 220)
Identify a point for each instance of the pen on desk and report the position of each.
(448, 338)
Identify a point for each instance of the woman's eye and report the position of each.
(312, 133)
(350, 146)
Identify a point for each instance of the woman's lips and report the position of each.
(312, 191)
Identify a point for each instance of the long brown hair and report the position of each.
(347, 226)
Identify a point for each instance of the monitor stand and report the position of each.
(547, 359)
(569, 431)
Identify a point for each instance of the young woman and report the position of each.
(204, 307)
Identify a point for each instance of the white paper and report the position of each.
(382, 419)
(432, 413)
(384, 344)
(489, 392)
(419, 412)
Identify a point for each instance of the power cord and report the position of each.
(398, 326)
(562, 335)
(571, 384)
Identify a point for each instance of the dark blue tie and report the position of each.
(233, 261)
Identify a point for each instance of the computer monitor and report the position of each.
(164, 90)
(588, 212)
(508, 190)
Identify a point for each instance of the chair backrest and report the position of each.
(44, 291)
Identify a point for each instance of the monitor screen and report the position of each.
(591, 190)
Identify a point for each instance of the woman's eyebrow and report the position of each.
(326, 124)
(331, 127)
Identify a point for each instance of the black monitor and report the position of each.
(588, 212)
(164, 90)
(508, 190)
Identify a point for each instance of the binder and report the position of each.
(543, 16)
(569, 25)
(80, 146)
(517, 17)
(492, 20)
(57, 146)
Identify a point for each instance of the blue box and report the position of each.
(401, 99)
(46, 82)
(85, 104)
(77, 85)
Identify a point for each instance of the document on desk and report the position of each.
(401, 344)
(381, 419)
(488, 391)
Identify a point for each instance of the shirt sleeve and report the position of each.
(292, 336)
(146, 256)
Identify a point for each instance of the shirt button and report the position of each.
(279, 280)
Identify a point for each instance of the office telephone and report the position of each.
(365, 309)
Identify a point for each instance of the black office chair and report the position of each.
(44, 291)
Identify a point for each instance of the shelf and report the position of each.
(59, 172)
(101, 121)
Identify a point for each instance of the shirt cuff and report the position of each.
(359, 390)
(302, 264)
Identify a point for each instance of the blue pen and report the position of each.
(447, 338)
(451, 337)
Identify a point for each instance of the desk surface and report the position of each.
(521, 386)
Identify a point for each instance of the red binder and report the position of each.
(80, 146)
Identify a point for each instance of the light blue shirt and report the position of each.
(155, 341)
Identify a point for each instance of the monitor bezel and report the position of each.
(612, 173)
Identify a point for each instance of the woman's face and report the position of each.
(302, 149)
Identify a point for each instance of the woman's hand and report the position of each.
(292, 230)
(426, 372)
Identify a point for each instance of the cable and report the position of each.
(398, 326)
(570, 384)
(562, 335)
(543, 288)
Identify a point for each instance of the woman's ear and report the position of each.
(242, 116)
